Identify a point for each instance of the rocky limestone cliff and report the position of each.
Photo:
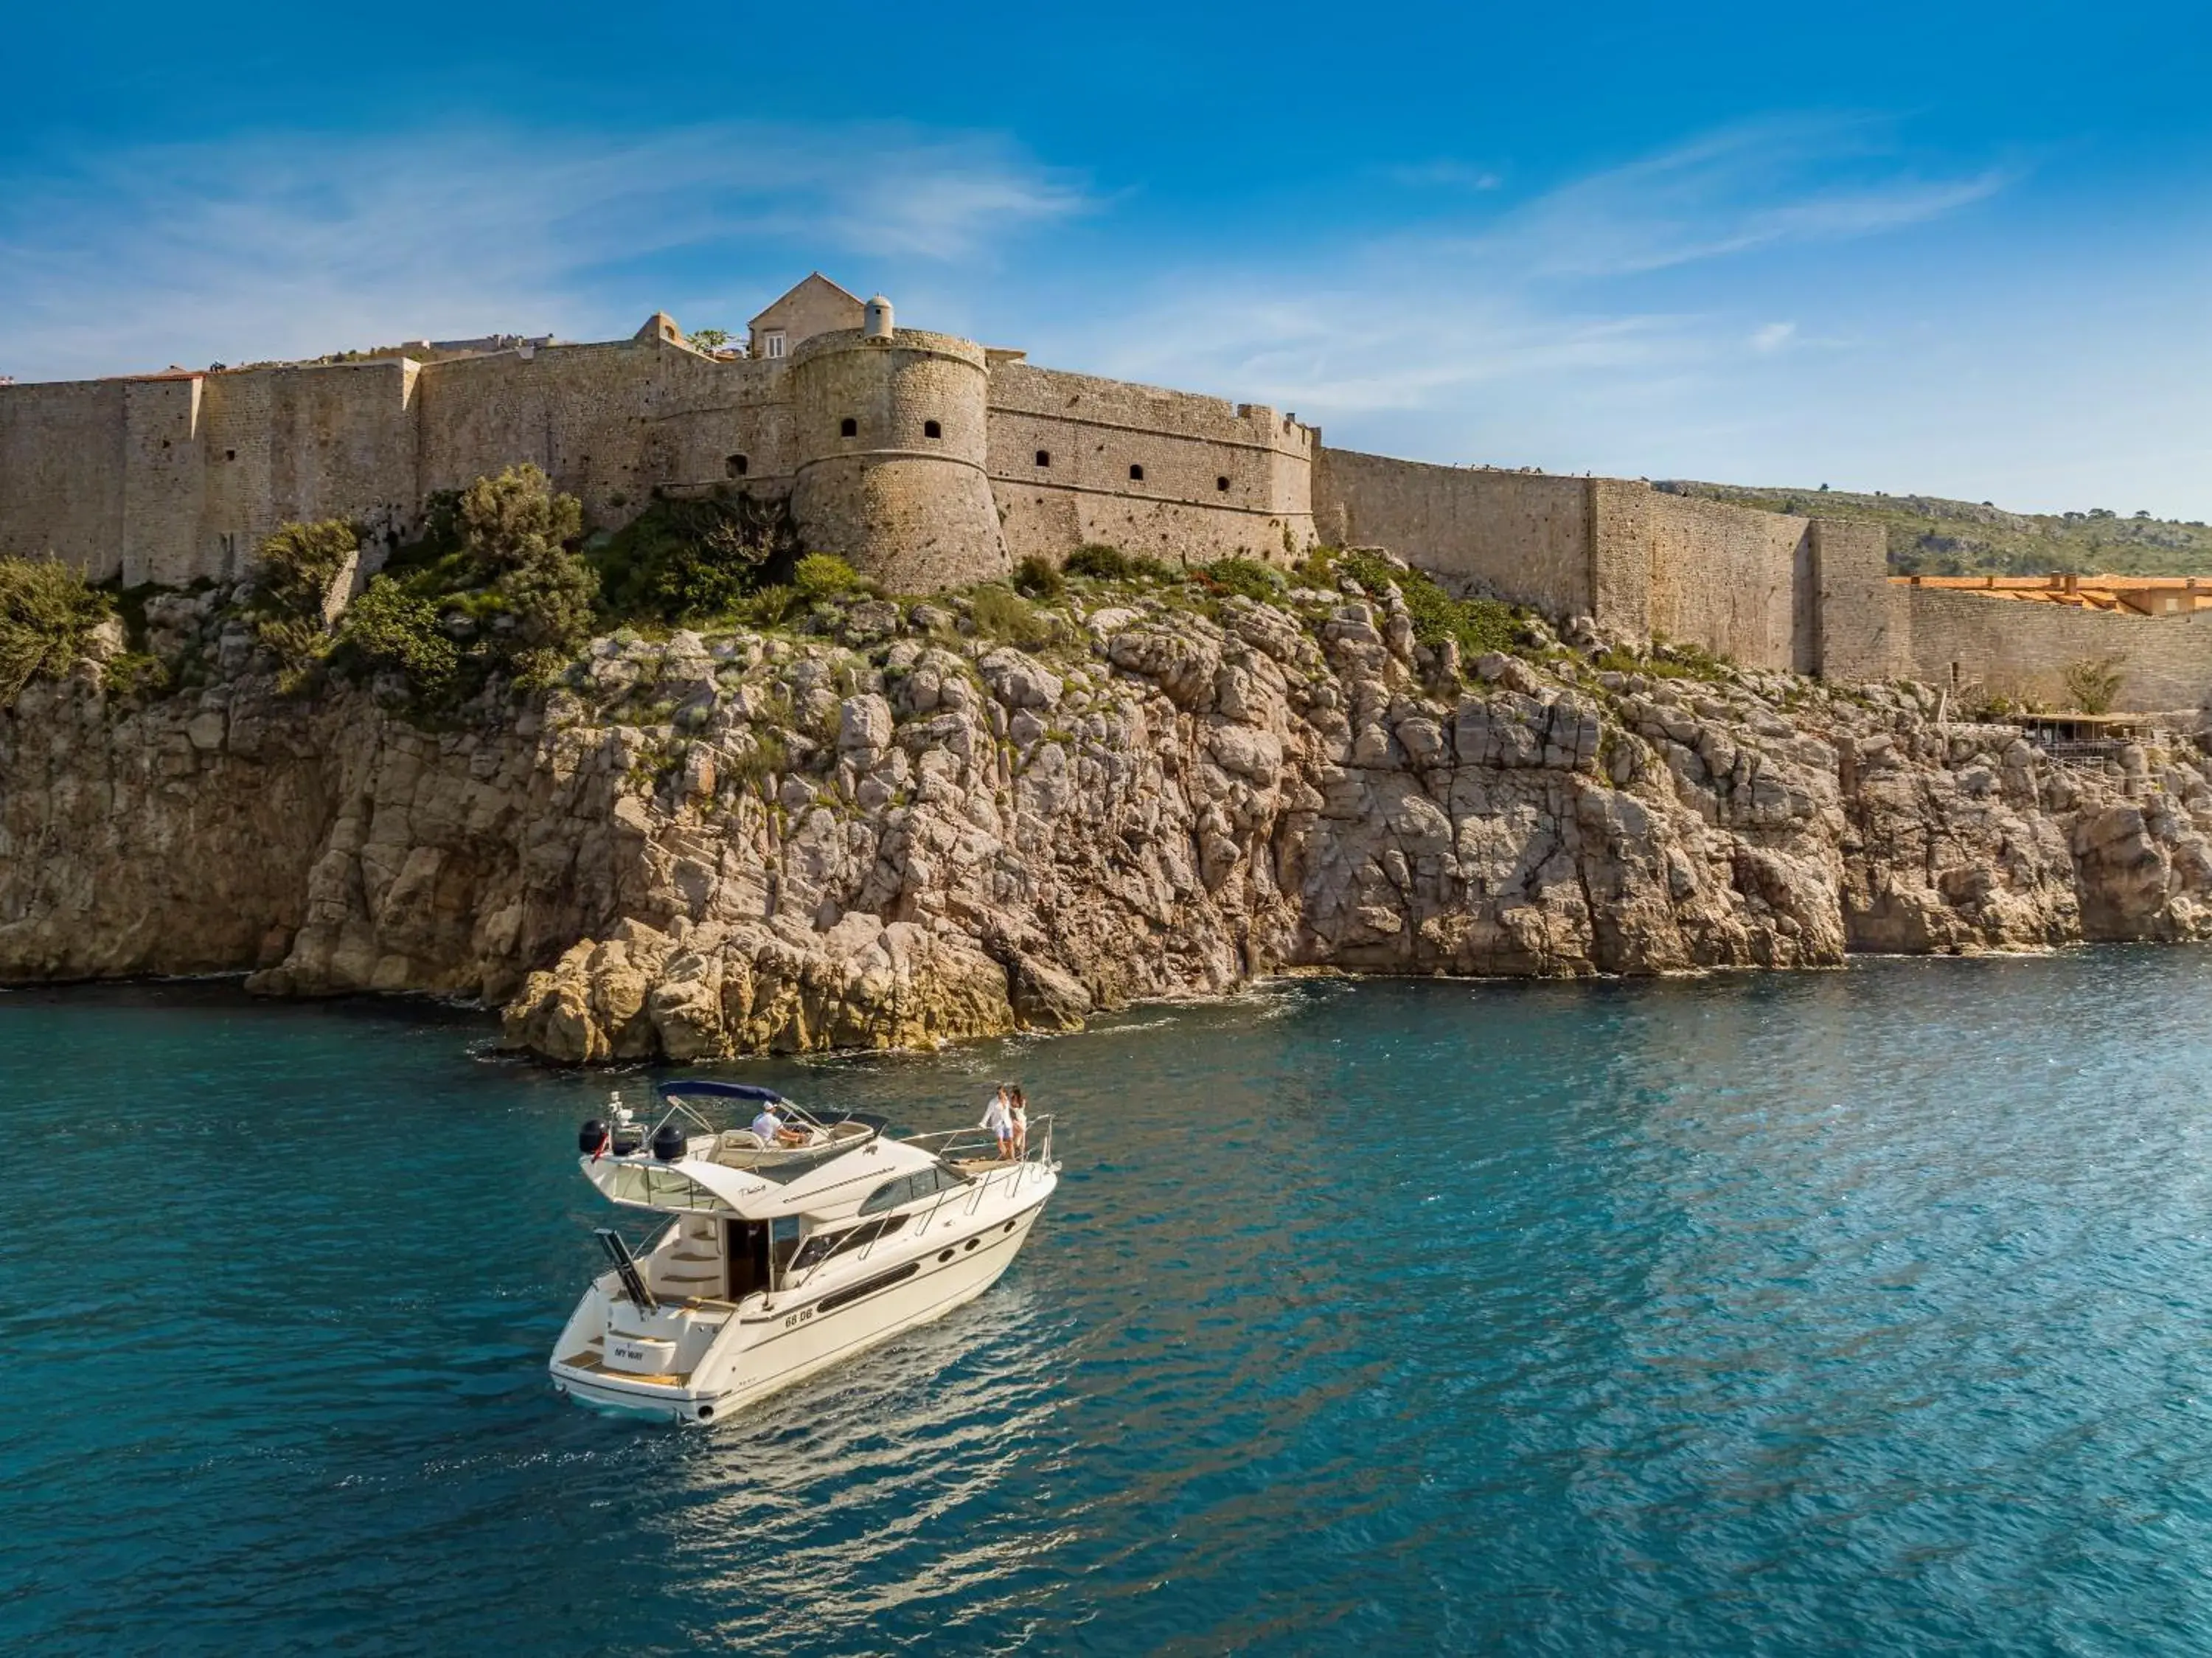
(899, 836)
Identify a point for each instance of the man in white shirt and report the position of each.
(772, 1132)
(1001, 1122)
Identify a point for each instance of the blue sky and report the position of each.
(1959, 248)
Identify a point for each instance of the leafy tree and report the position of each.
(516, 519)
(294, 571)
(47, 614)
(516, 529)
(688, 560)
(390, 630)
(2095, 683)
(713, 339)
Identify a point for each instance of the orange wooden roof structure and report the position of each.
(2133, 595)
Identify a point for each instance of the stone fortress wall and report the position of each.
(930, 461)
(958, 461)
(1767, 589)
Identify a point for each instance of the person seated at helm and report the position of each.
(774, 1131)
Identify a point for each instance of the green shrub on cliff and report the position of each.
(1104, 563)
(1000, 613)
(1038, 578)
(683, 561)
(518, 529)
(294, 571)
(389, 630)
(820, 576)
(493, 588)
(1479, 625)
(47, 614)
(1097, 560)
(1245, 576)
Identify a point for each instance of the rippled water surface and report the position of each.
(1861, 1312)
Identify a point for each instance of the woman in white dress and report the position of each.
(1017, 1114)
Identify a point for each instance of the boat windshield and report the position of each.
(783, 1166)
(656, 1185)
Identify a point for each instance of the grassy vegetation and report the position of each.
(1245, 576)
(1000, 613)
(47, 614)
(1668, 659)
(1930, 536)
(1480, 625)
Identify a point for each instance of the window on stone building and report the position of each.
(1222, 484)
(848, 427)
(1044, 457)
(230, 454)
(736, 465)
(772, 343)
(1136, 474)
(931, 429)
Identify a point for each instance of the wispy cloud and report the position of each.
(1754, 186)
(1445, 175)
(1552, 290)
(282, 245)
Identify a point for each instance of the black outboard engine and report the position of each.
(669, 1142)
(593, 1136)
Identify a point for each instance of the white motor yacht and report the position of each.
(772, 1261)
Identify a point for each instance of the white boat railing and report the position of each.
(945, 1144)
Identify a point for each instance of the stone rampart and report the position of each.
(61, 473)
(960, 460)
(2016, 649)
(1526, 536)
(1074, 458)
(1722, 577)
(1855, 618)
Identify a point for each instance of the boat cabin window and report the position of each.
(824, 1244)
(782, 1241)
(908, 1188)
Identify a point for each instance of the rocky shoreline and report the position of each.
(893, 830)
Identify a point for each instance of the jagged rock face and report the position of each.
(756, 845)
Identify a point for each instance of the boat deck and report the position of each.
(590, 1359)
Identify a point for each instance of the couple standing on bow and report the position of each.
(1007, 1117)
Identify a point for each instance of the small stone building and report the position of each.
(816, 306)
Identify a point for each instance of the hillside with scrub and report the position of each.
(686, 790)
(1931, 536)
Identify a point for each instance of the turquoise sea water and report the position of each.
(1858, 1312)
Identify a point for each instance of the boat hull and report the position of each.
(768, 1347)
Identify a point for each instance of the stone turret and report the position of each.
(891, 426)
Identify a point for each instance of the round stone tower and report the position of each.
(891, 443)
